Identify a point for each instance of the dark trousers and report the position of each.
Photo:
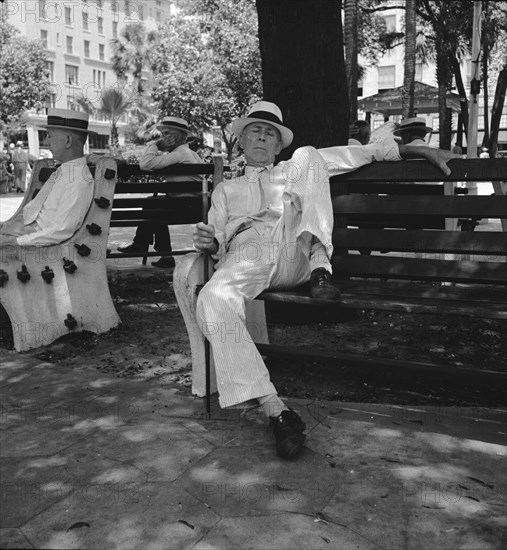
(153, 233)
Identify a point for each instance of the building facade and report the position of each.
(77, 35)
(389, 74)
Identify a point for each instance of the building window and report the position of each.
(51, 101)
(390, 21)
(50, 66)
(435, 123)
(114, 6)
(68, 16)
(72, 75)
(87, 48)
(99, 3)
(102, 52)
(70, 44)
(85, 21)
(44, 38)
(115, 29)
(386, 77)
(503, 121)
(98, 141)
(377, 123)
(100, 25)
(359, 88)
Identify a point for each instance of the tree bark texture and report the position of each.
(496, 113)
(351, 48)
(407, 98)
(303, 69)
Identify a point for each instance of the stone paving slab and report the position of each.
(136, 463)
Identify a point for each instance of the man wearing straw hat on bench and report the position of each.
(271, 228)
(58, 210)
(170, 149)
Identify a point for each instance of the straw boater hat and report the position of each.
(174, 123)
(410, 124)
(65, 119)
(264, 111)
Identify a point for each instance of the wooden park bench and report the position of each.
(51, 291)
(147, 196)
(397, 249)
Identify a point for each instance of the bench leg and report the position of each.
(187, 277)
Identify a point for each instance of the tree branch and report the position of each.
(381, 8)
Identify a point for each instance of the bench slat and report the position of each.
(159, 187)
(449, 206)
(462, 242)
(421, 170)
(489, 303)
(379, 364)
(420, 269)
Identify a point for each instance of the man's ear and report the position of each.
(279, 147)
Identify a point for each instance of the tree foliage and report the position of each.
(206, 67)
(24, 78)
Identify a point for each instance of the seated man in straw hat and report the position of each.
(271, 228)
(412, 131)
(60, 207)
(170, 149)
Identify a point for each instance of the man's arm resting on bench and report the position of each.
(438, 157)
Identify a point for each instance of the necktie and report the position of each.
(32, 209)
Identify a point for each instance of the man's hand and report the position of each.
(204, 238)
(166, 143)
(438, 157)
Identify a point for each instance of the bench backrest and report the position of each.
(379, 208)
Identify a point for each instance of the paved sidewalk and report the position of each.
(95, 461)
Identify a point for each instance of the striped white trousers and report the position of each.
(272, 254)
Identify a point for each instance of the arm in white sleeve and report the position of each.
(153, 159)
(217, 217)
(66, 221)
(343, 159)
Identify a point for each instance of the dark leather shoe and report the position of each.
(321, 286)
(134, 247)
(288, 429)
(165, 261)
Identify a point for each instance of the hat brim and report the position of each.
(58, 127)
(241, 123)
(400, 131)
(161, 127)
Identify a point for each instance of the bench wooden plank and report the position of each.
(355, 265)
(422, 171)
(344, 359)
(462, 242)
(448, 206)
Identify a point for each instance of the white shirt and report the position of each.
(153, 159)
(258, 194)
(65, 208)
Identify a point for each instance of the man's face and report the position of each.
(171, 139)
(261, 142)
(57, 142)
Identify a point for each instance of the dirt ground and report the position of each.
(152, 343)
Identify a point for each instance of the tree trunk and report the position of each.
(407, 98)
(456, 71)
(303, 69)
(496, 113)
(351, 41)
(485, 139)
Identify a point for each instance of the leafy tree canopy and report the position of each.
(24, 78)
(207, 64)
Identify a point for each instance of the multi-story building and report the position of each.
(389, 74)
(77, 35)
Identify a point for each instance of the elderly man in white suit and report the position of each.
(271, 229)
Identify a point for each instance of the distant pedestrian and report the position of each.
(484, 153)
(21, 166)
